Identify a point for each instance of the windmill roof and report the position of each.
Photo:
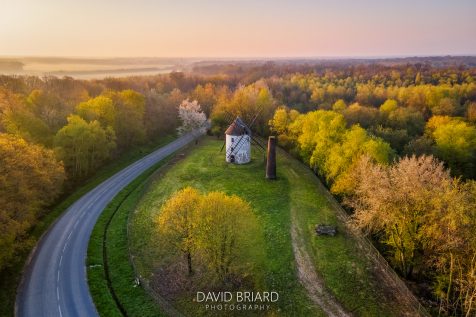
(238, 127)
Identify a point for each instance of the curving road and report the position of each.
(55, 282)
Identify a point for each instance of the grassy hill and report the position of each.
(308, 271)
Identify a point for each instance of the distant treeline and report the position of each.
(10, 65)
(55, 132)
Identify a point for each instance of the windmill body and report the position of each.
(238, 142)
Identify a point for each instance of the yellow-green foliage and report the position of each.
(178, 220)
(100, 108)
(246, 102)
(214, 229)
(455, 143)
(83, 146)
(323, 141)
(388, 106)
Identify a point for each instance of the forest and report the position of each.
(394, 141)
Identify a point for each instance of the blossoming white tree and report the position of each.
(191, 116)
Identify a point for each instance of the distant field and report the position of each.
(89, 68)
(348, 276)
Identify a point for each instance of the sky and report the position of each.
(237, 28)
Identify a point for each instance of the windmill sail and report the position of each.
(238, 140)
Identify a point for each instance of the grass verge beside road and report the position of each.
(111, 277)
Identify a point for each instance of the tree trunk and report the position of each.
(450, 282)
(189, 263)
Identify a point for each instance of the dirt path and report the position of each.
(308, 276)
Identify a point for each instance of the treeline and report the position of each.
(434, 69)
(398, 114)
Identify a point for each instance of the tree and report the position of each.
(100, 108)
(365, 116)
(281, 123)
(343, 156)
(423, 145)
(406, 119)
(227, 233)
(397, 138)
(48, 107)
(129, 117)
(426, 219)
(451, 246)
(83, 146)
(456, 144)
(24, 124)
(246, 102)
(206, 96)
(178, 220)
(395, 201)
(339, 105)
(17, 118)
(214, 229)
(30, 179)
(471, 112)
(317, 131)
(192, 117)
(388, 106)
(160, 114)
(446, 106)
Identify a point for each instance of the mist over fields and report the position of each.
(89, 68)
(99, 68)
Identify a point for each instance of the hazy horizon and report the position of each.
(229, 58)
(232, 30)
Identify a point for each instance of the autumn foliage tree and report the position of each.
(427, 221)
(83, 146)
(30, 179)
(129, 111)
(245, 102)
(395, 200)
(227, 230)
(214, 230)
(100, 108)
(455, 143)
(178, 221)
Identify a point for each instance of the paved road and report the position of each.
(55, 282)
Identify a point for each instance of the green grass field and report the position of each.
(345, 272)
(205, 169)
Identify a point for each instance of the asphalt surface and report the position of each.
(55, 281)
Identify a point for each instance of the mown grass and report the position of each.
(347, 273)
(206, 170)
(11, 276)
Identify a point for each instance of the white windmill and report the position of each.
(238, 142)
(238, 138)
